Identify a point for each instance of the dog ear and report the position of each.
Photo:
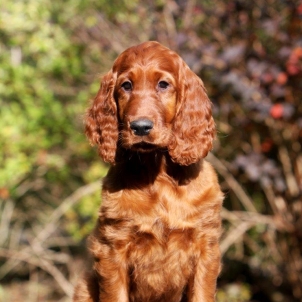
(101, 120)
(194, 127)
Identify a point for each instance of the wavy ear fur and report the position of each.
(101, 120)
(194, 127)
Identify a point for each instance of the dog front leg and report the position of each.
(202, 285)
(112, 280)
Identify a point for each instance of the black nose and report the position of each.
(141, 127)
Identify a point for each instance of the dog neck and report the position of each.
(141, 169)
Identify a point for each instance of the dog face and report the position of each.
(150, 99)
(146, 96)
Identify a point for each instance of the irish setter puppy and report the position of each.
(157, 235)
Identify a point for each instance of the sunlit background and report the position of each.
(52, 56)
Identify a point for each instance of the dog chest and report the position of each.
(161, 262)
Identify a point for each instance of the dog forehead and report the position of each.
(148, 55)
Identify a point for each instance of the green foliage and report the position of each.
(42, 106)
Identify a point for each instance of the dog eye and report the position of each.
(163, 85)
(127, 86)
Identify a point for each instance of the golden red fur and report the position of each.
(157, 235)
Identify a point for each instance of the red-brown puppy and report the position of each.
(157, 235)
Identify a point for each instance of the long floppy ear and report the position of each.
(101, 120)
(194, 127)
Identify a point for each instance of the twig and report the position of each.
(270, 195)
(64, 207)
(49, 227)
(170, 23)
(42, 263)
(234, 234)
(187, 16)
(255, 218)
(232, 182)
(5, 219)
(287, 168)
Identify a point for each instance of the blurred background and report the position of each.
(52, 56)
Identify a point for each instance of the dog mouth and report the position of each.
(143, 147)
